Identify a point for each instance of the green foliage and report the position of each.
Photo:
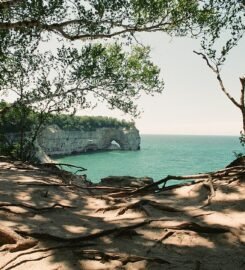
(11, 120)
(80, 74)
(19, 127)
(21, 120)
(110, 73)
(96, 19)
(226, 28)
(67, 77)
(82, 77)
(86, 123)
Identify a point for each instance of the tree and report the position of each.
(216, 48)
(26, 25)
(96, 52)
(96, 19)
(107, 72)
(47, 83)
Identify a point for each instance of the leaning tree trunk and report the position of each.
(242, 105)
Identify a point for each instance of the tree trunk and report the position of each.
(243, 120)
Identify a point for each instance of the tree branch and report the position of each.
(59, 28)
(221, 83)
(206, 60)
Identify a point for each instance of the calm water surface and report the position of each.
(161, 155)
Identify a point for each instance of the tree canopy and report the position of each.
(64, 55)
(92, 56)
(72, 77)
(96, 19)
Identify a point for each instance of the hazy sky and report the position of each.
(192, 102)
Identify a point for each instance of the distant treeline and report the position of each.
(11, 120)
(88, 123)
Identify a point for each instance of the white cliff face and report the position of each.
(55, 141)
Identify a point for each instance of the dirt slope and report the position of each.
(48, 221)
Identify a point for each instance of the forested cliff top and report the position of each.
(17, 118)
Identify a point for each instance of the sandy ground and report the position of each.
(52, 222)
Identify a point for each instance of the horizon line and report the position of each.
(189, 134)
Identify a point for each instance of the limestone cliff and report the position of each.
(55, 141)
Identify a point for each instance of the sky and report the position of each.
(192, 102)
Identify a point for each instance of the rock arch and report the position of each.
(114, 145)
(55, 141)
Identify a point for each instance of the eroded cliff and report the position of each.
(55, 141)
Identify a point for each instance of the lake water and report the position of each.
(159, 156)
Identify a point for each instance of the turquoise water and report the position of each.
(161, 155)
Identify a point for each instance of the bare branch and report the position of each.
(207, 61)
(220, 80)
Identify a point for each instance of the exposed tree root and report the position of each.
(224, 174)
(104, 188)
(159, 241)
(92, 236)
(85, 254)
(26, 260)
(121, 201)
(42, 250)
(54, 165)
(130, 233)
(107, 256)
(31, 207)
(14, 242)
(210, 185)
(79, 241)
(20, 245)
(191, 226)
(139, 206)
